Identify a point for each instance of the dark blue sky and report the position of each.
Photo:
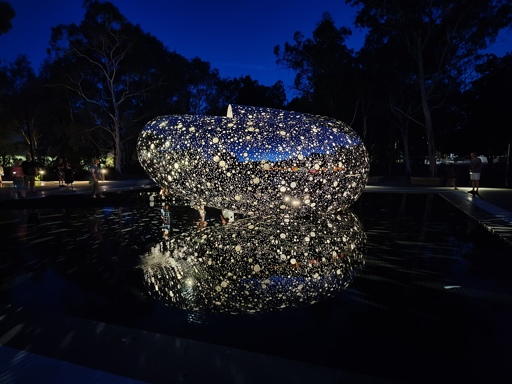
(236, 36)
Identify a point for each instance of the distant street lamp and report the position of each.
(103, 173)
(41, 172)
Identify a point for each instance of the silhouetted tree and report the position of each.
(110, 64)
(7, 13)
(20, 97)
(441, 39)
(247, 91)
(323, 64)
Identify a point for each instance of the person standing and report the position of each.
(29, 171)
(60, 170)
(475, 169)
(94, 178)
(68, 175)
(18, 180)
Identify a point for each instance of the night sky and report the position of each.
(236, 36)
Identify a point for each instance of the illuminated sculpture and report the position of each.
(256, 265)
(256, 161)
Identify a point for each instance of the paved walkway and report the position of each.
(80, 188)
(492, 208)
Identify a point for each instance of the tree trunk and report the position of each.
(407, 158)
(429, 130)
(117, 146)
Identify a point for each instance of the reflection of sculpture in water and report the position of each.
(256, 161)
(255, 265)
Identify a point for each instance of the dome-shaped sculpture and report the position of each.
(256, 161)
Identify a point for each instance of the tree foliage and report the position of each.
(7, 13)
(441, 38)
(418, 80)
(324, 70)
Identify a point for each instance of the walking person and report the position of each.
(94, 178)
(29, 172)
(475, 169)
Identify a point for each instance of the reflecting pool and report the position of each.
(401, 286)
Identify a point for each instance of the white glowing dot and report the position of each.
(246, 154)
(266, 166)
(300, 157)
(306, 239)
(176, 165)
(282, 235)
(312, 234)
(216, 159)
(293, 184)
(224, 284)
(282, 206)
(238, 197)
(293, 261)
(256, 268)
(222, 163)
(192, 129)
(282, 133)
(282, 189)
(238, 248)
(215, 140)
(256, 180)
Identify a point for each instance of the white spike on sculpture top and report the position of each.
(256, 161)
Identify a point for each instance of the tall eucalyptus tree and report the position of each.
(442, 39)
(112, 65)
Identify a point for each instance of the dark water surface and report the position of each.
(404, 286)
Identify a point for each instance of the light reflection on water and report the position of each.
(435, 285)
(257, 264)
(121, 262)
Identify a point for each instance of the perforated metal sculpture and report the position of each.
(256, 161)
